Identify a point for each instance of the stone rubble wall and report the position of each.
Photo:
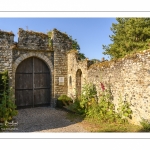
(73, 65)
(52, 50)
(32, 40)
(128, 79)
(6, 42)
(61, 45)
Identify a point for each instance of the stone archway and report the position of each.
(45, 61)
(78, 83)
(32, 83)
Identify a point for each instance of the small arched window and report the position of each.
(70, 81)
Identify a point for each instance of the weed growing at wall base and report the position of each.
(101, 108)
(124, 109)
(146, 125)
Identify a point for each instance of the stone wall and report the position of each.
(6, 42)
(128, 79)
(61, 45)
(73, 65)
(51, 49)
(32, 40)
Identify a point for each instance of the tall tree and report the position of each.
(129, 35)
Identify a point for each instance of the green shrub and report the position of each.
(3, 75)
(64, 97)
(101, 108)
(65, 100)
(88, 95)
(124, 110)
(145, 124)
(75, 107)
(104, 110)
(7, 101)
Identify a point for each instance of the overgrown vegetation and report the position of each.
(50, 42)
(146, 125)
(7, 101)
(101, 108)
(64, 100)
(98, 113)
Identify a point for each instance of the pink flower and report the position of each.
(102, 86)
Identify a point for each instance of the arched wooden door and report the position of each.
(32, 83)
(78, 83)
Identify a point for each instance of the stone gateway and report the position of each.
(35, 66)
(43, 67)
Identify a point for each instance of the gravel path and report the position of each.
(45, 119)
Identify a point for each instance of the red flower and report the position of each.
(102, 86)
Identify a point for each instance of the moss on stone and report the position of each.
(6, 33)
(133, 56)
(33, 33)
(57, 32)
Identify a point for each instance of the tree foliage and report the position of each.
(74, 42)
(129, 35)
(76, 46)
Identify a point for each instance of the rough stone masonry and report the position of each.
(127, 78)
(35, 44)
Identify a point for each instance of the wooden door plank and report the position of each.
(24, 97)
(41, 82)
(23, 83)
(42, 96)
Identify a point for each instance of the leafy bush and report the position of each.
(104, 110)
(89, 94)
(124, 109)
(2, 76)
(65, 99)
(7, 101)
(100, 108)
(145, 124)
(75, 107)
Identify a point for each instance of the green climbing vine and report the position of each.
(7, 101)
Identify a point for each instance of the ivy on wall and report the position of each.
(7, 101)
(3, 75)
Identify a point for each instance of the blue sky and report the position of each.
(91, 33)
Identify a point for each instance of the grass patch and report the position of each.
(92, 125)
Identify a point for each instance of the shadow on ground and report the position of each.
(46, 119)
